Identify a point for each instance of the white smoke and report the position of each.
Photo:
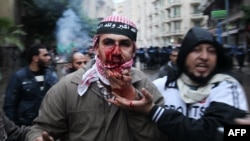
(70, 34)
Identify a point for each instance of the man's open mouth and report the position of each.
(112, 65)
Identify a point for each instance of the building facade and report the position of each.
(10, 9)
(162, 22)
(98, 8)
(230, 30)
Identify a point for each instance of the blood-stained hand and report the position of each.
(143, 105)
(121, 83)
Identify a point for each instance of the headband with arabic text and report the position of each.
(117, 28)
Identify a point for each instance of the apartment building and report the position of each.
(162, 22)
(9, 9)
(98, 8)
(230, 30)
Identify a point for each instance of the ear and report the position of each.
(69, 65)
(96, 49)
(134, 49)
(35, 58)
(133, 55)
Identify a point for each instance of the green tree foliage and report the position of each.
(40, 18)
(10, 33)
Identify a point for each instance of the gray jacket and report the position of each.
(9, 131)
(64, 113)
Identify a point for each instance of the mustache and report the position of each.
(114, 58)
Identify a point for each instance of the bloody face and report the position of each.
(113, 54)
(114, 51)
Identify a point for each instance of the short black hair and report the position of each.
(33, 51)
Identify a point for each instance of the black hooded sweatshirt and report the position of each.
(181, 128)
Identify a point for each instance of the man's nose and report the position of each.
(204, 54)
(49, 57)
(117, 49)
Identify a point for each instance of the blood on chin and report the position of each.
(113, 70)
(116, 67)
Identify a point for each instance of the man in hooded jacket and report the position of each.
(201, 99)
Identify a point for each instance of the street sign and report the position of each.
(219, 14)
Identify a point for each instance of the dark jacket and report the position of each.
(9, 131)
(168, 69)
(181, 128)
(23, 95)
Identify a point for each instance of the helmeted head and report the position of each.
(201, 56)
(115, 43)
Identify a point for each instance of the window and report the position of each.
(177, 26)
(177, 11)
(196, 10)
(197, 23)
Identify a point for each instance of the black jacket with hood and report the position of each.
(181, 128)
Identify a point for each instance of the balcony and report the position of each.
(175, 18)
(167, 6)
(167, 20)
(155, 12)
(154, 1)
(176, 32)
(155, 23)
(196, 15)
(172, 33)
(175, 3)
(195, 2)
(166, 34)
(101, 2)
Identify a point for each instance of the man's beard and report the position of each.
(42, 65)
(201, 80)
(70, 70)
